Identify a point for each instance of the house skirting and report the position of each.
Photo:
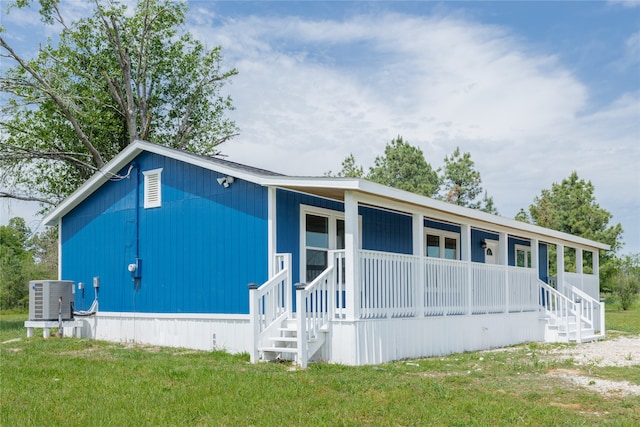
(377, 341)
(196, 331)
(348, 342)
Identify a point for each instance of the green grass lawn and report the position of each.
(626, 321)
(69, 381)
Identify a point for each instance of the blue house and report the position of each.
(199, 252)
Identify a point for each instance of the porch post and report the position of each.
(504, 262)
(560, 267)
(418, 252)
(595, 259)
(535, 256)
(465, 255)
(271, 230)
(351, 239)
(580, 267)
(535, 265)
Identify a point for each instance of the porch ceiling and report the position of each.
(329, 193)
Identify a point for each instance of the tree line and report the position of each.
(405, 167)
(25, 256)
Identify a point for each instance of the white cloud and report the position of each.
(311, 92)
(625, 3)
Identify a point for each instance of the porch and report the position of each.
(410, 306)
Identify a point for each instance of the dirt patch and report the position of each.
(621, 352)
(605, 387)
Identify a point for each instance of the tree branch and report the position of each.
(46, 88)
(5, 195)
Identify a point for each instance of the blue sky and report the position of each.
(533, 90)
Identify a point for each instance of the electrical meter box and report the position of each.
(50, 298)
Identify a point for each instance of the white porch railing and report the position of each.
(387, 285)
(525, 295)
(587, 283)
(270, 304)
(445, 287)
(390, 287)
(489, 288)
(397, 286)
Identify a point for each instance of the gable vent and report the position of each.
(152, 189)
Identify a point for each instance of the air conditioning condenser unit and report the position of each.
(49, 298)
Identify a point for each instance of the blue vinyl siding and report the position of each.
(429, 223)
(543, 262)
(477, 236)
(198, 250)
(386, 231)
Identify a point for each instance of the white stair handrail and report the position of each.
(270, 303)
(316, 306)
(589, 305)
(555, 303)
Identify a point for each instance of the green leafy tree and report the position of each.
(113, 77)
(625, 282)
(523, 216)
(44, 250)
(350, 169)
(487, 204)
(404, 166)
(15, 263)
(462, 183)
(24, 257)
(571, 207)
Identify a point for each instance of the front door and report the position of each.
(491, 252)
(322, 233)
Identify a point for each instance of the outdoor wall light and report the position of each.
(226, 181)
(483, 243)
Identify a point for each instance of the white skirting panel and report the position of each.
(196, 331)
(378, 341)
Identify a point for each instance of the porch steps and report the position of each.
(557, 331)
(285, 345)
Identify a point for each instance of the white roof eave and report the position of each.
(345, 184)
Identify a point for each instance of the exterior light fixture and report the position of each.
(226, 181)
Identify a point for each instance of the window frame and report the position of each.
(333, 217)
(527, 258)
(442, 234)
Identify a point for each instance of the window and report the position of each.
(322, 231)
(523, 256)
(442, 244)
(152, 188)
